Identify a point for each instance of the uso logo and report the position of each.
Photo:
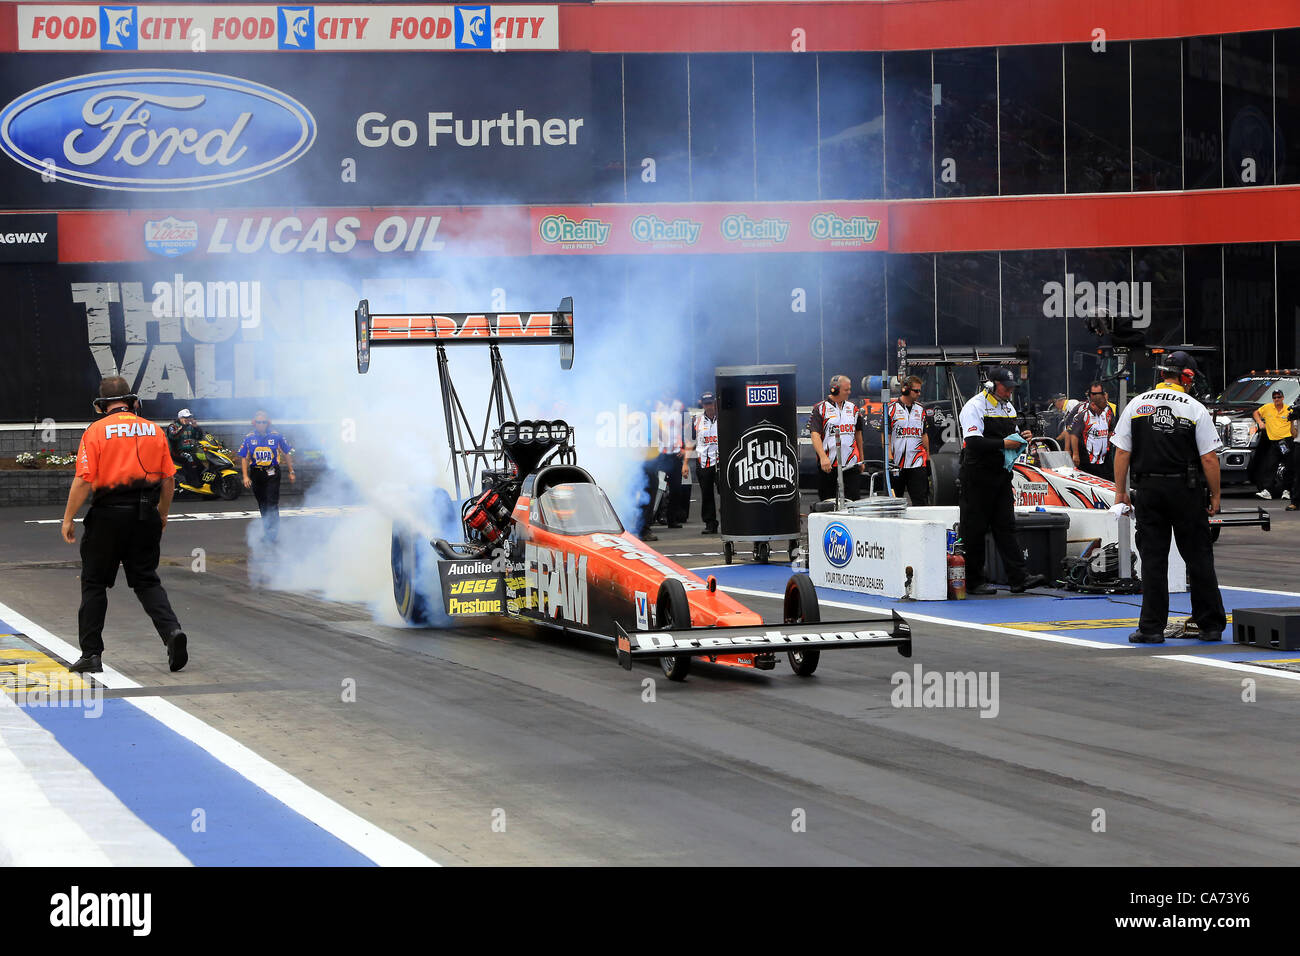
(838, 544)
(146, 130)
(762, 395)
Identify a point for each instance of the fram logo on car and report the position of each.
(155, 130)
(837, 543)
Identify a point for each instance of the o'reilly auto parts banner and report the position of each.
(193, 28)
(100, 131)
(710, 228)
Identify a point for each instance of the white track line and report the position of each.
(932, 619)
(1229, 665)
(364, 837)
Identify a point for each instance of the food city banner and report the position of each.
(102, 131)
(186, 28)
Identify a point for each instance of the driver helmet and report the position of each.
(562, 501)
(185, 414)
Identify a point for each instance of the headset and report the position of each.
(834, 386)
(131, 398)
(1186, 376)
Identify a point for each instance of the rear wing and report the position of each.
(465, 328)
(763, 638)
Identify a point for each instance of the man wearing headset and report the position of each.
(259, 459)
(988, 424)
(1166, 443)
(125, 468)
(908, 445)
(836, 431)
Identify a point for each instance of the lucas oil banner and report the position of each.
(97, 131)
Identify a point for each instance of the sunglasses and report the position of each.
(1096, 394)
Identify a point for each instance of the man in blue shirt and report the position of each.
(260, 458)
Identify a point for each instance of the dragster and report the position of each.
(542, 543)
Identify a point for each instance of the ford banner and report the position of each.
(78, 131)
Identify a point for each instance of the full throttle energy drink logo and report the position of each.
(763, 467)
(143, 130)
(562, 229)
(650, 228)
(854, 231)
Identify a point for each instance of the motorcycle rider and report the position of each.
(185, 438)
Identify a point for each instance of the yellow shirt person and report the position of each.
(1274, 420)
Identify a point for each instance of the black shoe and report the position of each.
(177, 653)
(710, 529)
(1138, 637)
(674, 525)
(87, 664)
(1210, 636)
(649, 536)
(982, 589)
(1030, 581)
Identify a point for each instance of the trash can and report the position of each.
(758, 473)
(1042, 541)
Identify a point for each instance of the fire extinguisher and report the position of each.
(956, 575)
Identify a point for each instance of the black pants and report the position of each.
(914, 482)
(266, 489)
(707, 478)
(827, 486)
(651, 504)
(671, 465)
(986, 506)
(113, 535)
(1165, 506)
(1264, 466)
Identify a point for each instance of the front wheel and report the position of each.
(672, 612)
(762, 551)
(230, 487)
(408, 577)
(728, 551)
(801, 607)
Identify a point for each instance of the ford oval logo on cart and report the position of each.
(838, 544)
(147, 130)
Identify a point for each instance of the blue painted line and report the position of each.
(163, 778)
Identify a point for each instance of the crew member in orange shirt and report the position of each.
(125, 468)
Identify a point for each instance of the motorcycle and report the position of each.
(218, 476)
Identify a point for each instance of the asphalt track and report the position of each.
(503, 746)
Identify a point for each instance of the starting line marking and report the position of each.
(230, 515)
(332, 817)
(932, 619)
(1229, 665)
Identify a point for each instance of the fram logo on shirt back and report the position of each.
(130, 430)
